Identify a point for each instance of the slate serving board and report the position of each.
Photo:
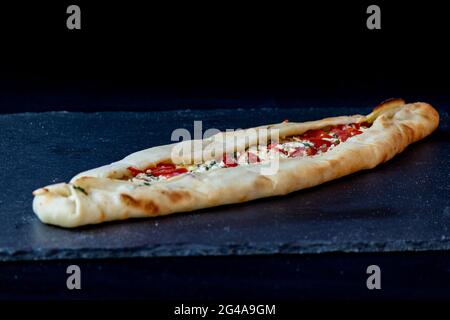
(402, 205)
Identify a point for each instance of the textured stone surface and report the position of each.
(401, 205)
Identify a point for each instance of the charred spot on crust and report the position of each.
(129, 200)
(243, 198)
(176, 196)
(147, 206)
(334, 162)
(102, 215)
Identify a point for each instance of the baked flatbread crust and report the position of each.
(100, 195)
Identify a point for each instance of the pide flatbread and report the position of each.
(233, 167)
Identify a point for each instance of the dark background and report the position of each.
(234, 279)
(131, 56)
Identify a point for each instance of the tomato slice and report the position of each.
(277, 148)
(342, 133)
(165, 165)
(302, 151)
(248, 157)
(320, 142)
(229, 160)
(253, 158)
(298, 152)
(161, 169)
(162, 172)
(134, 171)
(355, 132)
(319, 133)
(167, 171)
(176, 172)
(281, 151)
(311, 151)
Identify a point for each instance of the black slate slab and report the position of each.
(401, 205)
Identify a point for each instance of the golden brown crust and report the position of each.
(395, 126)
(389, 103)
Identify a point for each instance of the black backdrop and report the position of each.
(131, 56)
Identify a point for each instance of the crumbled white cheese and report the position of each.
(147, 178)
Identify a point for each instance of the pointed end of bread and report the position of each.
(383, 107)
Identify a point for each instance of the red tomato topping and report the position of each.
(298, 152)
(166, 170)
(301, 151)
(281, 150)
(134, 171)
(276, 147)
(253, 158)
(345, 132)
(318, 143)
(229, 160)
(249, 157)
(355, 132)
(165, 166)
(176, 172)
(341, 133)
(316, 134)
(311, 151)
(161, 169)
(161, 172)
